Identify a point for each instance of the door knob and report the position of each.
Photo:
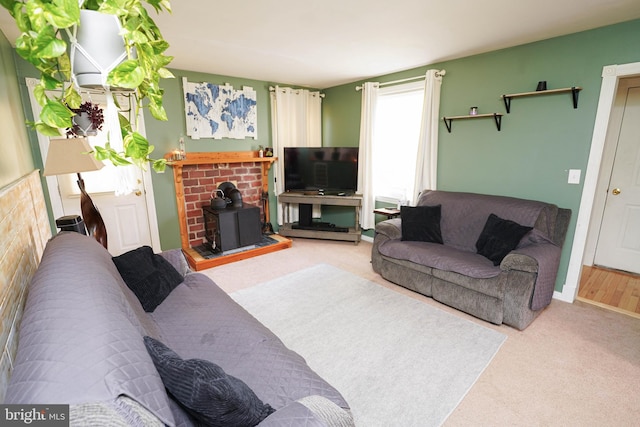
(615, 191)
(138, 193)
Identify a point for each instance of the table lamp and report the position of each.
(71, 155)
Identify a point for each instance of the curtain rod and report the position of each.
(408, 79)
(273, 89)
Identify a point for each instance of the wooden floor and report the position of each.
(615, 290)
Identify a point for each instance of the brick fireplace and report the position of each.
(201, 180)
(195, 179)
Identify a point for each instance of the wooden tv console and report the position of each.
(291, 229)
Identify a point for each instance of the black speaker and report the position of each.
(305, 214)
(71, 223)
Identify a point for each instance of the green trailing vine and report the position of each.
(42, 42)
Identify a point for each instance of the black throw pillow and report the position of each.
(148, 275)
(421, 223)
(499, 237)
(206, 391)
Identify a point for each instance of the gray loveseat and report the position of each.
(513, 292)
(82, 343)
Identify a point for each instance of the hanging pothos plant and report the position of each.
(44, 43)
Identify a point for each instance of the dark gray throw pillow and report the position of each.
(148, 275)
(206, 391)
(421, 223)
(499, 237)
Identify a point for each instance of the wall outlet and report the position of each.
(574, 176)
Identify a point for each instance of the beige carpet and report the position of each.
(576, 365)
(375, 345)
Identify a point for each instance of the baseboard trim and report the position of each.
(567, 295)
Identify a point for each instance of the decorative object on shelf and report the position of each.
(219, 111)
(268, 152)
(87, 121)
(542, 85)
(473, 111)
(260, 151)
(67, 156)
(49, 29)
(573, 90)
(176, 155)
(496, 116)
(179, 153)
(183, 152)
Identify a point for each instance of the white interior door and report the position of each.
(130, 219)
(125, 216)
(619, 237)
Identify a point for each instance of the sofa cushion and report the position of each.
(150, 276)
(212, 396)
(499, 237)
(441, 257)
(421, 223)
(465, 214)
(220, 330)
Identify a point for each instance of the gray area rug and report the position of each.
(396, 360)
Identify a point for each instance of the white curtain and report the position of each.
(296, 121)
(427, 157)
(365, 163)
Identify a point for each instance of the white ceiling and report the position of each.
(324, 43)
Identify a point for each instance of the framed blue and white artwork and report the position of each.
(219, 111)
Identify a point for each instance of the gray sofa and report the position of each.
(81, 343)
(513, 292)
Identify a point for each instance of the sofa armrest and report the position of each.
(177, 259)
(527, 258)
(520, 262)
(310, 411)
(391, 228)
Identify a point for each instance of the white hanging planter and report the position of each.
(96, 48)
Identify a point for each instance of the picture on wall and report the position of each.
(219, 111)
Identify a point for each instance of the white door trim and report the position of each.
(52, 182)
(610, 77)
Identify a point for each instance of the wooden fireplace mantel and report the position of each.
(207, 158)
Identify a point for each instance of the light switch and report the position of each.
(574, 176)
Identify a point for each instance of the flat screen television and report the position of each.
(331, 170)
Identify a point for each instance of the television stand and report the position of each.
(308, 228)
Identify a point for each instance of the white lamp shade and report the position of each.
(71, 155)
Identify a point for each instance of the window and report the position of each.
(395, 143)
(110, 177)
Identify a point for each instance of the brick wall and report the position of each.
(200, 181)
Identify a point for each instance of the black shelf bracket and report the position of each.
(447, 123)
(498, 120)
(575, 92)
(507, 103)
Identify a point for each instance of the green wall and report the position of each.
(540, 141)
(165, 135)
(16, 159)
(543, 136)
